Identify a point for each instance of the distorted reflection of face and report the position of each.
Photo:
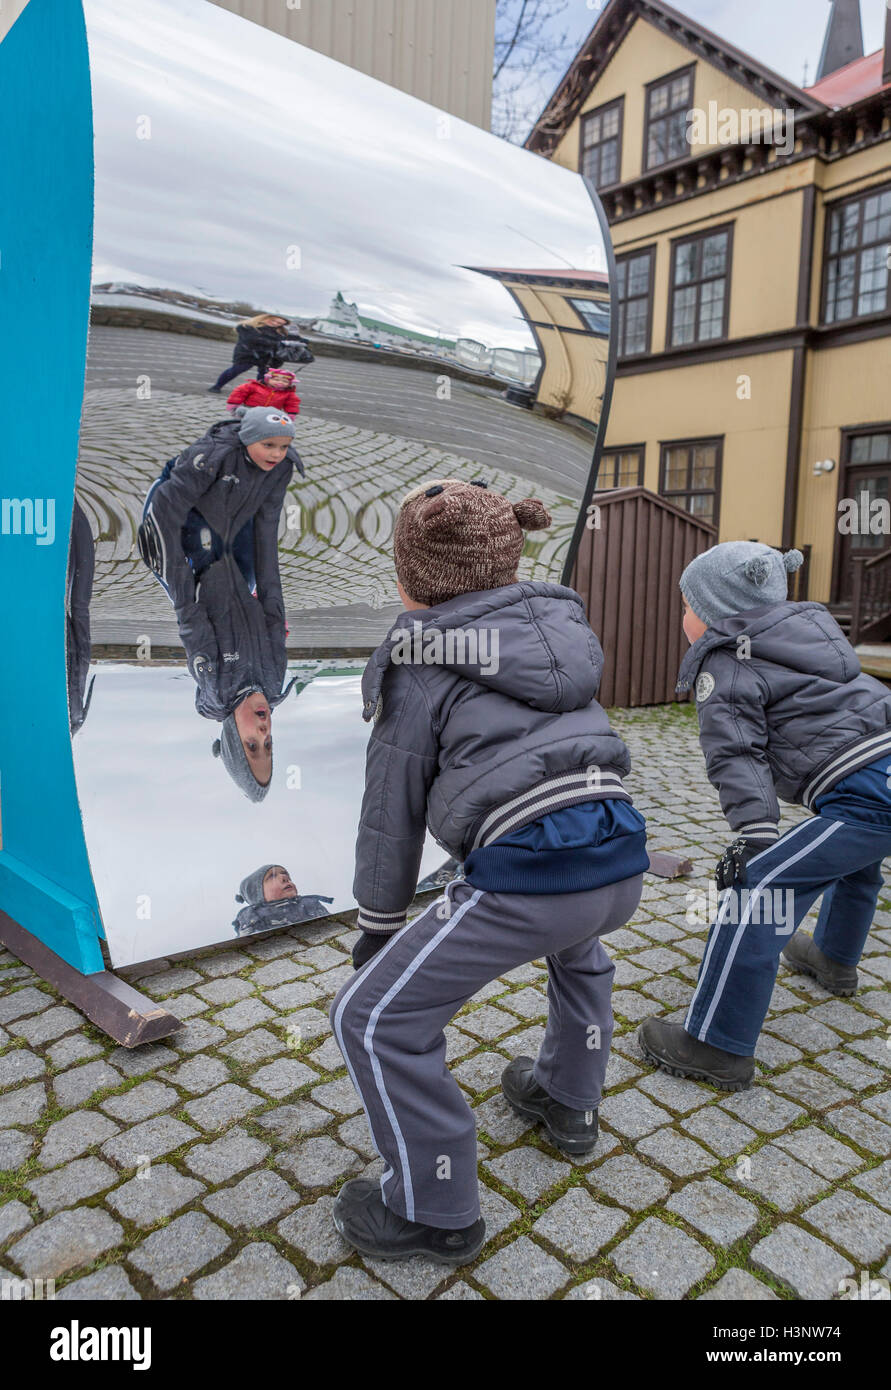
(277, 884)
(253, 719)
(268, 453)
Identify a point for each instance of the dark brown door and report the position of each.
(867, 480)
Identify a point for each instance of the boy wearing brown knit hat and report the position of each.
(486, 731)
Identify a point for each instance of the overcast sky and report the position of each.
(782, 34)
(258, 144)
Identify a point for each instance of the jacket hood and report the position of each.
(529, 641)
(801, 637)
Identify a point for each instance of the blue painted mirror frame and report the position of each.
(46, 234)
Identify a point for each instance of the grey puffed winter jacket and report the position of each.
(234, 643)
(485, 718)
(284, 912)
(784, 710)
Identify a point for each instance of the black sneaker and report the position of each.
(804, 955)
(673, 1049)
(364, 1222)
(216, 390)
(571, 1131)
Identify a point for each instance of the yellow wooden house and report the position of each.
(751, 222)
(568, 314)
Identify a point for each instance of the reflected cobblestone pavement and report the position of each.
(367, 433)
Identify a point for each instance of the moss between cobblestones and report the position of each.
(53, 1112)
(869, 1158)
(726, 1260)
(127, 1083)
(32, 981)
(13, 1186)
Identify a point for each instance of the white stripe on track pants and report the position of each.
(839, 859)
(389, 1023)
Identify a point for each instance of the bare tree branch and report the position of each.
(532, 49)
(511, 45)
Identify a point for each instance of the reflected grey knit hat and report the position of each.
(230, 749)
(263, 422)
(250, 890)
(735, 576)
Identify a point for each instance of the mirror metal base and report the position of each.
(114, 1006)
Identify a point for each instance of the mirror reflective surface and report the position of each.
(394, 296)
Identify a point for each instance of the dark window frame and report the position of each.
(621, 319)
(689, 70)
(615, 451)
(604, 305)
(619, 137)
(829, 209)
(848, 434)
(677, 496)
(676, 242)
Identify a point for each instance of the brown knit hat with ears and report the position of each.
(459, 538)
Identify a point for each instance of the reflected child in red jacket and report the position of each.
(276, 389)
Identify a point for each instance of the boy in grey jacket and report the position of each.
(784, 711)
(209, 533)
(486, 731)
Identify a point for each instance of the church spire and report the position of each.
(844, 37)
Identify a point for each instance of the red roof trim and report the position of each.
(585, 277)
(860, 78)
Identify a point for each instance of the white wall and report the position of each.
(438, 50)
(9, 13)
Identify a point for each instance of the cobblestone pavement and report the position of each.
(367, 433)
(206, 1166)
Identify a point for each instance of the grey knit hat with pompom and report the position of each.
(736, 576)
(251, 889)
(230, 749)
(453, 537)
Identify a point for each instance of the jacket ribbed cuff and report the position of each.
(762, 831)
(380, 923)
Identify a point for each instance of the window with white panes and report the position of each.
(594, 314)
(869, 472)
(858, 257)
(634, 276)
(621, 468)
(667, 104)
(700, 281)
(691, 477)
(602, 144)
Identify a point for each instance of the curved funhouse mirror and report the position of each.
(311, 294)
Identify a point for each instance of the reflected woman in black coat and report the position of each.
(263, 342)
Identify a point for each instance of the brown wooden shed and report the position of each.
(630, 558)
